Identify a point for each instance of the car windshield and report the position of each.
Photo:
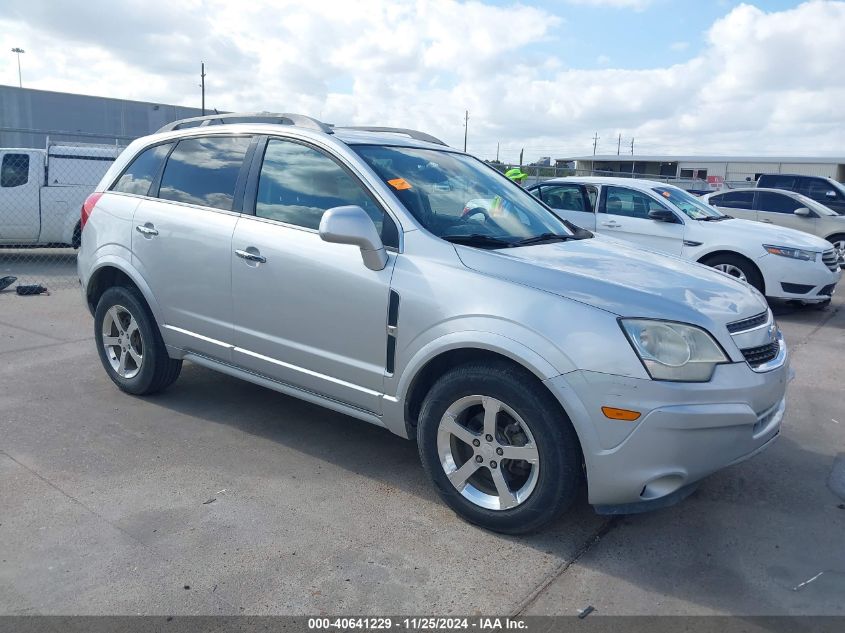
(686, 202)
(460, 199)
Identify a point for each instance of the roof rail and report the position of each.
(284, 118)
(414, 134)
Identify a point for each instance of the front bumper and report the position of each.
(686, 431)
(787, 278)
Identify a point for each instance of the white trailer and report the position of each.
(42, 191)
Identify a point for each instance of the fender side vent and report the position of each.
(392, 325)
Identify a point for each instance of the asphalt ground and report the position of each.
(220, 497)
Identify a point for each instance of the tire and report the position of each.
(136, 360)
(76, 240)
(838, 241)
(738, 267)
(537, 492)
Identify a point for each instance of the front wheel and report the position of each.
(737, 267)
(498, 448)
(838, 242)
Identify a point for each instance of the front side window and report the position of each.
(15, 170)
(459, 198)
(734, 200)
(298, 184)
(691, 206)
(204, 171)
(776, 202)
(565, 197)
(629, 203)
(819, 189)
(141, 173)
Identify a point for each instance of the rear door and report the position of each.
(570, 201)
(739, 204)
(778, 208)
(182, 241)
(20, 205)
(623, 213)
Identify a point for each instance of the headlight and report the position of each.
(674, 351)
(794, 253)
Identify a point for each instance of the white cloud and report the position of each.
(637, 5)
(602, 60)
(679, 46)
(763, 82)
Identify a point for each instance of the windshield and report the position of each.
(459, 198)
(689, 204)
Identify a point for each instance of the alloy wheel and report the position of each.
(122, 342)
(733, 271)
(488, 452)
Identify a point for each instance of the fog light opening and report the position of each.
(662, 486)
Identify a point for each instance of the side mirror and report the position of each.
(352, 225)
(662, 215)
(830, 194)
(804, 212)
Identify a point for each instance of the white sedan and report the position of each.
(780, 262)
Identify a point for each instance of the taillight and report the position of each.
(88, 207)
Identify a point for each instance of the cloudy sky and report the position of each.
(679, 76)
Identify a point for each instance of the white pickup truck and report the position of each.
(42, 191)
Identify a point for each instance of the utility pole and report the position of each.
(202, 78)
(595, 142)
(520, 157)
(633, 163)
(17, 50)
(619, 145)
(466, 128)
(497, 151)
(632, 147)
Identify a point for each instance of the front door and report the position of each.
(182, 242)
(623, 213)
(778, 208)
(309, 313)
(20, 205)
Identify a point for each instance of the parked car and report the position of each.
(784, 208)
(779, 262)
(336, 265)
(41, 191)
(827, 191)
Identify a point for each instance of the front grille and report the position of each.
(749, 323)
(757, 356)
(831, 260)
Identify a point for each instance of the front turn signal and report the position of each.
(620, 414)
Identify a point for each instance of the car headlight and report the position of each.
(794, 253)
(674, 351)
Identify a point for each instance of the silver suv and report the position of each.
(382, 274)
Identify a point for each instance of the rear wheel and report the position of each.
(498, 448)
(737, 267)
(130, 345)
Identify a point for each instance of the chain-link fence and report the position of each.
(41, 197)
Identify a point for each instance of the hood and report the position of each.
(771, 234)
(624, 280)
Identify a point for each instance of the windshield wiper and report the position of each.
(716, 218)
(478, 239)
(543, 237)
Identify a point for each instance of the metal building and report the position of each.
(28, 117)
(733, 170)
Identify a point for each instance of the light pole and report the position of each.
(17, 50)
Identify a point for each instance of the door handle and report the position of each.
(251, 257)
(611, 224)
(766, 221)
(147, 230)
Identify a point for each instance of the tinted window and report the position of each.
(776, 182)
(15, 170)
(298, 184)
(566, 197)
(776, 202)
(734, 200)
(142, 171)
(629, 203)
(817, 189)
(204, 171)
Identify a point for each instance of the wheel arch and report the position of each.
(704, 259)
(110, 273)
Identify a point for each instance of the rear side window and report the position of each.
(776, 202)
(776, 182)
(734, 200)
(142, 171)
(15, 170)
(565, 197)
(204, 171)
(299, 183)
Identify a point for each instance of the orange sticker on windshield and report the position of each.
(399, 184)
